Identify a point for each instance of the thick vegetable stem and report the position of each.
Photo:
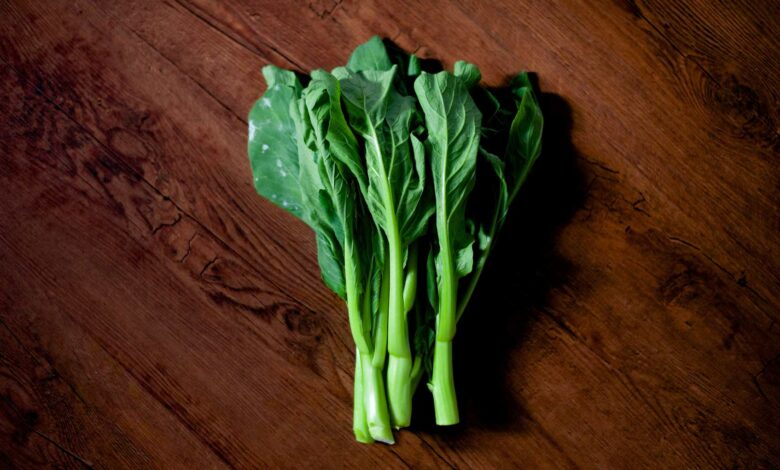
(445, 403)
(359, 423)
(374, 400)
(399, 366)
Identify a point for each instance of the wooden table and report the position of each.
(155, 312)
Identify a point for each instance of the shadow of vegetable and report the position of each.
(521, 272)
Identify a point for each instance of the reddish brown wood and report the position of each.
(154, 312)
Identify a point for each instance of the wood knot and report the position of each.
(746, 110)
(304, 322)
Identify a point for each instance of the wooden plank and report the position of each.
(151, 123)
(640, 330)
(675, 78)
(680, 280)
(141, 330)
(735, 44)
(44, 421)
(669, 149)
(690, 273)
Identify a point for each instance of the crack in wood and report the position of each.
(189, 248)
(128, 169)
(195, 81)
(435, 452)
(709, 258)
(755, 377)
(49, 365)
(729, 274)
(398, 456)
(64, 449)
(325, 11)
(213, 447)
(599, 164)
(207, 266)
(203, 17)
(173, 223)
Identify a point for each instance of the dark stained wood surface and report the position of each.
(156, 313)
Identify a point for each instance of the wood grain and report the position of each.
(156, 313)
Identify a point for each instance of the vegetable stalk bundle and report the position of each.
(405, 177)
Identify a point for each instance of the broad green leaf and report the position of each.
(409, 67)
(468, 73)
(344, 235)
(331, 123)
(319, 208)
(371, 55)
(394, 163)
(325, 215)
(330, 258)
(420, 197)
(518, 122)
(453, 123)
(525, 135)
(496, 180)
(272, 147)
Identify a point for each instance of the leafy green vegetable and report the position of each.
(523, 143)
(272, 144)
(340, 173)
(366, 155)
(468, 73)
(372, 55)
(396, 182)
(453, 123)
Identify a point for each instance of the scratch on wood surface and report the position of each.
(172, 223)
(64, 449)
(189, 248)
(200, 85)
(204, 17)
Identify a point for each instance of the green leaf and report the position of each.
(322, 192)
(323, 98)
(414, 68)
(525, 135)
(496, 165)
(272, 147)
(519, 123)
(371, 55)
(394, 162)
(468, 73)
(453, 123)
(419, 199)
(330, 258)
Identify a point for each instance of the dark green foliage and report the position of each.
(405, 177)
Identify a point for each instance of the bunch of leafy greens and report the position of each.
(405, 177)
